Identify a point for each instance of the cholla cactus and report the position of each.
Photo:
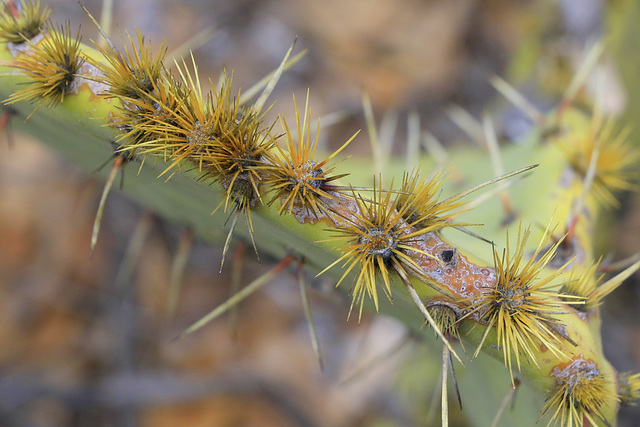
(534, 302)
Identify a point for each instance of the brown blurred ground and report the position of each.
(80, 347)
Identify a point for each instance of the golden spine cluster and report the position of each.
(379, 233)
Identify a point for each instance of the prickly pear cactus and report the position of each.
(499, 257)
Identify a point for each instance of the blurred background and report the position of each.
(87, 341)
